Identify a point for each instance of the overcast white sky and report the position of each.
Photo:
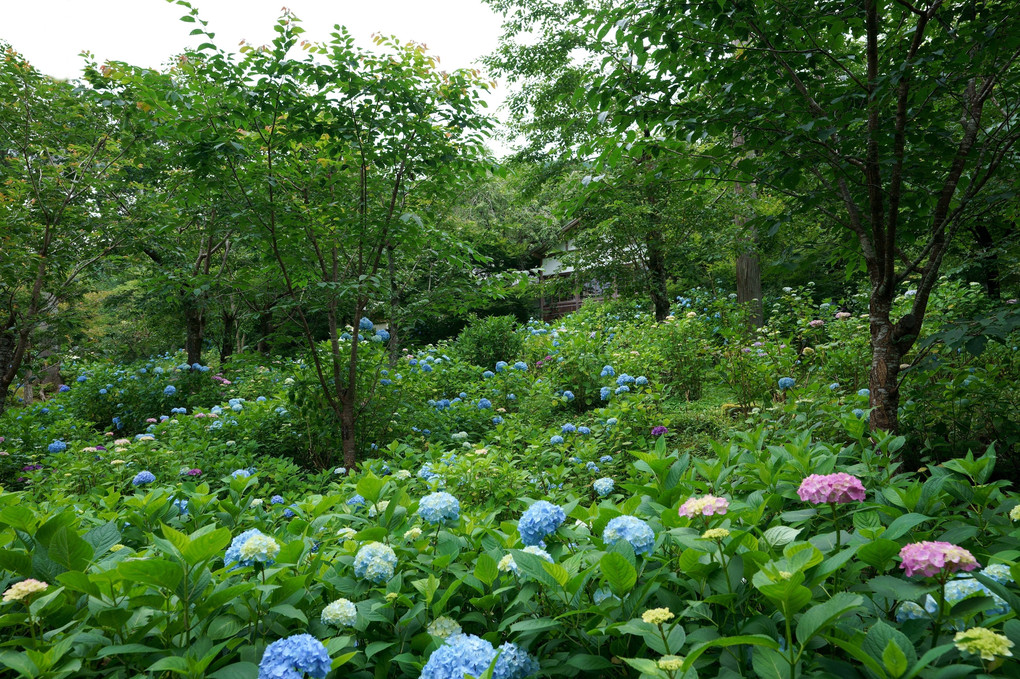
(51, 33)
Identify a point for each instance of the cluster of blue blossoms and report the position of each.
(603, 486)
(142, 478)
(468, 655)
(539, 520)
(632, 530)
(294, 657)
(439, 508)
(233, 554)
(375, 562)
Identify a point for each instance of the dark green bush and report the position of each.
(488, 340)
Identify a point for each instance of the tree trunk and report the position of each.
(229, 335)
(749, 283)
(265, 330)
(988, 259)
(394, 343)
(885, 367)
(657, 270)
(347, 440)
(194, 324)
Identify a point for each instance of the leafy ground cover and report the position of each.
(565, 511)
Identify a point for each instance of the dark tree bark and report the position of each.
(194, 327)
(657, 272)
(394, 342)
(988, 259)
(229, 335)
(749, 284)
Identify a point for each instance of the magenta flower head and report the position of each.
(194, 472)
(839, 488)
(659, 431)
(931, 558)
(706, 505)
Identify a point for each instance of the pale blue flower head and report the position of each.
(631, 529)
(170, 390)
(607, 371)
(142, 478)
(365, 323)
(439, 508)
(603, 486)
(520, 365)
(786, 383)
(556, 440)
(604, 393)
(641, 381)
(295, 657)
(540, 520)
(375, 562)
(568, 428)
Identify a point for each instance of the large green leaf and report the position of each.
(618, 572)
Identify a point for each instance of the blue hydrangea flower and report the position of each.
(511, 397)
(786, 383)
(240, 473)
(497, 420)
(603, 594)
(605, 392)
(467, 655)
(57, 446)
(592, 467)
(858, 413)
(520, 365)
(583, 430)
(606, 459)
(569, 395)
(182, 506)
(365, 323)
(539, 520)
(632, 529)
(622, 390)
(81, 378)
(501, 366)
(425, 367)
(834, 386)
(170, 390)
(440, 508)
(64, 388)
(484, 404)
(556, 440)
(375, 562)
(356, 500)
(611, 421)
(568, 428)
(908, 610)
(607, 371)
(102, 391)
(142, 478)
(864, 392)
(383, 335)
(624, 379)
(277, 500)
(294, 657)
(233, 553)
(641, 381)
(487, 374)
(603, 486)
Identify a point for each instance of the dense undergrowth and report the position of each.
(617, 498)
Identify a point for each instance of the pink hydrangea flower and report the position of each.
(839, 488)
(929, 558)
(817, 323)
(151, 420)
(843, 315)
(706, 505)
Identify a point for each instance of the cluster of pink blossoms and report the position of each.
(839, 488)
(706, 505)
(929, 558)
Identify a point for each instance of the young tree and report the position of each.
(889, 117)
(63, 148)
(322, 146)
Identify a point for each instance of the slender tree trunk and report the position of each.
(394, 343)
(657, 269)
(194, 326)
(265, 330)
(748, 264)
(885, 366)
(988, 260)
(8, 344)
(229, 335)
(749, 282)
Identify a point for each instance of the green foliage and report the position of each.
(485, 341)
